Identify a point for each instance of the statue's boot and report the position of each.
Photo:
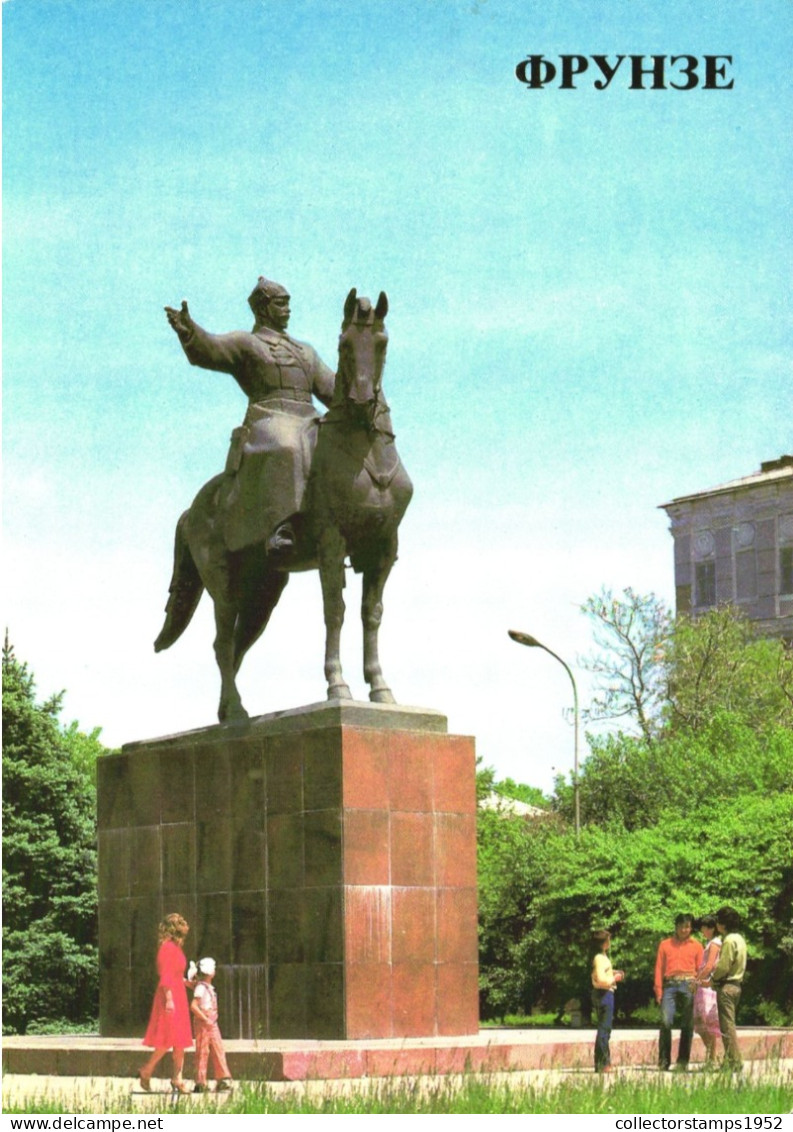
(283, 540)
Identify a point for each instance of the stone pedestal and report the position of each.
(325, 857)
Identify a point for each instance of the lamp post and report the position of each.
(533, 643)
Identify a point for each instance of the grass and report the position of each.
(634, 1092)
(526, 1022)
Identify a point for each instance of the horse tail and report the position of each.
(184, 591)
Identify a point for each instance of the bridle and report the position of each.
(362, 348)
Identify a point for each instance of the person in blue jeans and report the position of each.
(604, 982)
(676, 965)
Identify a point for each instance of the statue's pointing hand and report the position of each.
(180, 320)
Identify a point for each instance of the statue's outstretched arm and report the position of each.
(181, 321)
(221, 352)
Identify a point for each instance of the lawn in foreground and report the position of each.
(642, 1092)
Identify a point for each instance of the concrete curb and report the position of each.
(491, 1051)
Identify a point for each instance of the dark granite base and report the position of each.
(325, 857)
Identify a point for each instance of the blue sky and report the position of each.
(589, 315)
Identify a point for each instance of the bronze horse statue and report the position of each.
(357, 493)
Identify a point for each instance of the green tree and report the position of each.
(631, 634)
(521, 792)
(84, 749)
(658, 672)
(715, 663)
(509, 873)
(487, 783)
(514, 856)
(49, 862)
(626, 782)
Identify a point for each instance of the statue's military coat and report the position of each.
(270, 454)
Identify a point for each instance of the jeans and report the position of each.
(603, 1001)
(727, 997)
(676, 997)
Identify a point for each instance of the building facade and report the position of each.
(734, 545)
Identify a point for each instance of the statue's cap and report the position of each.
(265, 289)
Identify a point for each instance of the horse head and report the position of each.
(362, 349)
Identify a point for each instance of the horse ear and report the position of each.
(381, 310)
(349, 305)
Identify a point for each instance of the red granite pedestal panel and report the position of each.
(325, 857)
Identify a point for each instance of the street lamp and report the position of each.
(533, 643)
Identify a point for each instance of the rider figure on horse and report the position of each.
(270, 455)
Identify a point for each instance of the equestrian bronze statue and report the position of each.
(299, 492)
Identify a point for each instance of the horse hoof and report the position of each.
(233, 715)
(339, 692)
(382, 696)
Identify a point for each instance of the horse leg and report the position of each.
(257, 605)
(374, 580)
(230, 707)
(331, 552)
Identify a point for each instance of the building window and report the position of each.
(743, 535)
(786, 570)
(706, 584)
(746, 575)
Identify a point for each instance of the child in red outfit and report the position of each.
(208, 1039)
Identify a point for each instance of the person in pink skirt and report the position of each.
(208, 1039)
(706, 1013)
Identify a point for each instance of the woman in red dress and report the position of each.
(169, 1024)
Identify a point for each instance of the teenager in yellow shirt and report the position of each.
(604, 980)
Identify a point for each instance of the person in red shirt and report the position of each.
(676, 965)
